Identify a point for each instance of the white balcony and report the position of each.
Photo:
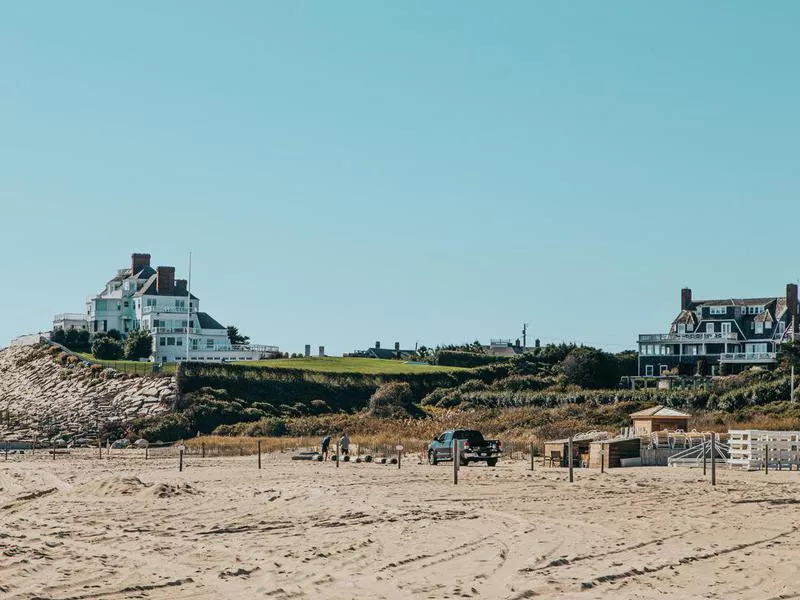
(748, 357)
(675, 338)
(167, 309)
(70, 317)
(157, 330)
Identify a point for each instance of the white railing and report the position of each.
(174, 330)
(70, 317)
(166, 309)
(748, 357)
(692, 337)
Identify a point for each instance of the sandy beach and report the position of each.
(79, 527)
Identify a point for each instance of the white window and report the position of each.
(709, 328)
(662, 369)
(210, 344)
(755, 348)
(767, 324)
(648, 370)
(690, 327)
(681, 328)
(726, 327)
(753, 310)
(759, 327)
(718, 310)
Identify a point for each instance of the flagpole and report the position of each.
(188, 305)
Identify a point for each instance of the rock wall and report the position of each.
(39, 397)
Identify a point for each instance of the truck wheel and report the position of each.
(432, 458)
(464, 462)
(492, 462)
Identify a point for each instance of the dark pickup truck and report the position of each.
(472, 448)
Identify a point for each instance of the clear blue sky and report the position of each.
(416, 171)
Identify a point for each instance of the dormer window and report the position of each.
(690, 327)
(717, 310)
(681, 328)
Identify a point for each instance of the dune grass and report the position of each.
(369, 366)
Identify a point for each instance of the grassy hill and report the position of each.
(368, 366)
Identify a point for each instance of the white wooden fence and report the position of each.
(748, 448)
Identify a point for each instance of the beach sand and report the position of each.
(80, 527)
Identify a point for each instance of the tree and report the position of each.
(114, 335)
(106, 348)
(138, 345)
(58, 336)
(236, 339)
(591, 368)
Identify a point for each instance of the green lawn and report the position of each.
(128, 366)
(370, 366)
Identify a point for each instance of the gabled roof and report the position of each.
(207, 322)
(145, 273)
(659, 411)
(763, 317)
(389, 352)
(780, 308)
(686, 317)
(150, 288)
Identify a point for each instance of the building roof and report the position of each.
(763, 316)
(659, 412)
(736, 302)
(582, 437)
(150, 288)
(207, 321)
(389, 352)
(686, 317)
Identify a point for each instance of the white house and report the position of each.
(140, 297)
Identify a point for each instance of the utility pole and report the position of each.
(188, 305)
(791, 383)
(524, 336)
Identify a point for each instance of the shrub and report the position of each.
(591, 368)
(106, 348)
(59, 336)
(459, 358)
(138, 345)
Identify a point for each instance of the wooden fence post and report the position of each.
(602, 457)
(180, 463)
(704, 458)
(399, 452)
(259, 454)
(337, 455)
(203, 449)
(569, 450)
(455, 461)
(532, 453)
(145, 452)
(713, 460)
(766, 459)
(53, 444)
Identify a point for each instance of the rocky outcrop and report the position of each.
(39, 397)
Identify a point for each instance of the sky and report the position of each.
(421, 172)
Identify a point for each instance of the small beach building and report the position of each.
(557, 451)
(619, 452)
(659, 418)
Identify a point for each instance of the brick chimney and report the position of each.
(397, 346)
(181, 285)
(377, 345)
(165, 280)
(686, 299)
(139, 262)
(791, 301)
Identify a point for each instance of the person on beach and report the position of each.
(326, 442)
(344, 444)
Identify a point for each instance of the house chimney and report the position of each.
(139, 262)
(322, 351)
(791, 301)
(377, 345)
(397, 346)
(307, 350)
(181, 286)
(686, 299)
(165, 280)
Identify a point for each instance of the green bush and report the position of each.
(459, 358)
(106, 348)
(138, 345)
(591, 368)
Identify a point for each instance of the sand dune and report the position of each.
(79, 527)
